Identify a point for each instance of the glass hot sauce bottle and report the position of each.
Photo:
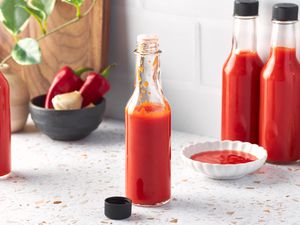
(148, 130)
(280, 89)
(241, 75)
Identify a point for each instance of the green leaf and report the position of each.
(40, 10)
(45, 6)
(38, 15)
(27, 52)
(76, 3)
(14, 17)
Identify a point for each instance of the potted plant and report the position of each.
(14, 16)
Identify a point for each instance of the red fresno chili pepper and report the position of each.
(95, 86)
(66, 80)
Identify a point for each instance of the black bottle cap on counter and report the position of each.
(245, 8)
(117, 208)
(285, 12)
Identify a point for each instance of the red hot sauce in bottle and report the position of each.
(280, 90)
(241, 75)
(148, 131)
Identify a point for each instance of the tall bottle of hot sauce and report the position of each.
(5, 165)
(241, 72)
(280, 90)
(148, 130)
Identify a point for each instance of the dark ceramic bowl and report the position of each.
(65, 125)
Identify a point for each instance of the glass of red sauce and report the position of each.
(224, 159)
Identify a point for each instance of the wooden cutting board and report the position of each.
(84, 43)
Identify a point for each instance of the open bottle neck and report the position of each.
(147, 68)
(148, 83)
(244, 34)
(284, 34)
(148, 63)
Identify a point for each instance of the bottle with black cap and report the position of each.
(280, 89)
(241, 72)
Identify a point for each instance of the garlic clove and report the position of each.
(91, 105)
(67, 101)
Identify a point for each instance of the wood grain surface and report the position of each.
(84, 43)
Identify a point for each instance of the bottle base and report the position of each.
(5, 176)
(154, 205)
(283, 163)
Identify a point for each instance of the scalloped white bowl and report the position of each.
(224, 171)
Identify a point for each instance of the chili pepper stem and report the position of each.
(80, 71)
(106, 71)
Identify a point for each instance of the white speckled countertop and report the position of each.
(65, 183)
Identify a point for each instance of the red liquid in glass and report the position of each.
(224, 157)
(280, 106)
(148, 136)
(4, 127)
(240, 97)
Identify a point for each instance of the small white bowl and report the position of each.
(224, 171)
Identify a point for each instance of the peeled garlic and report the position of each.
(91, 105)
(68, 101)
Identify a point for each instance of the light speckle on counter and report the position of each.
(56, 183)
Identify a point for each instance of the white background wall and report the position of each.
(195, 37)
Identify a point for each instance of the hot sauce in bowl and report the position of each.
(224, 157)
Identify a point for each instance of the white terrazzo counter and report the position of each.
(65, 183)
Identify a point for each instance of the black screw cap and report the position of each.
(245, 8)
(285, 12)
(117, 208)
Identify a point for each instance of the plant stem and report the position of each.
(15, 38)
(78, 12)
(42, 27)
(74, 20)
(62, 26)
(5, 60)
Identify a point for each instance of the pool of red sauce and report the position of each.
(224, 157)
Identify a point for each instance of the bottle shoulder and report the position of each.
(147, 108)
(242, 63)
(281, 64)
